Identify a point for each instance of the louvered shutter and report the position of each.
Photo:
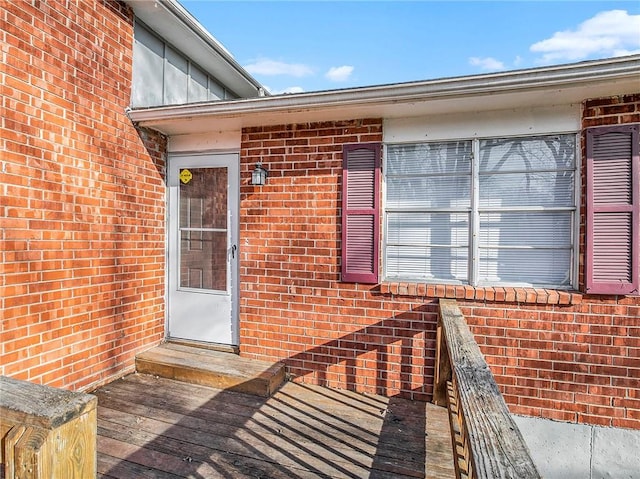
(360, 213)
(613, 210)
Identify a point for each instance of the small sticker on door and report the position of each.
(185, 176)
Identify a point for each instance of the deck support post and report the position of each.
(443, 368)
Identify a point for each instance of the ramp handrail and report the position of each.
(487, 443)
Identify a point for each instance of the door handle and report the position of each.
(233, 251)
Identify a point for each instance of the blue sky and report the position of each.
(294, 46)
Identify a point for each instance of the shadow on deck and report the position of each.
(151, 427)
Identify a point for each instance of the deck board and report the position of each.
(151, 427)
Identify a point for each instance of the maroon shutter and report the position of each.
(360, 212)
(613, 210)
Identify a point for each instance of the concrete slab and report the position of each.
(616, 453)
(566, 451)
(559, 450)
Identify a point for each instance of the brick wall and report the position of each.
(292, 303)
(82, 197)
(577, 363)
(560, 355)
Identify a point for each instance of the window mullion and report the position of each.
(474, 220)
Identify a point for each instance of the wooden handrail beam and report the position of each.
(495, 445)
(46, 433)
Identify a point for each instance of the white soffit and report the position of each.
(543, 87)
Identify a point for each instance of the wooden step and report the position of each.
(218, 369)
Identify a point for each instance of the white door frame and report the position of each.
(175, 163)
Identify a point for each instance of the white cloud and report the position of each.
(339, 74)
(486, 63)
(608, 34)
(265, 66)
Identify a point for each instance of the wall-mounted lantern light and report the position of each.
(259, 175)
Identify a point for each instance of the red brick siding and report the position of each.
(616, 110)
(292, 303)
(83, 198)
(560, 355)
(578, 363)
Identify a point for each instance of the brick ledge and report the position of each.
(494, 293)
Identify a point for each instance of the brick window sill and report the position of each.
(504, 294)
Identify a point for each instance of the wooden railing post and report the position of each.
(46, 433)
(442, 372)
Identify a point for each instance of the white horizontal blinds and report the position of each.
(533, 172)
(613, 209)
(526, 209)
(428, 245)
(428, 204)
(523, 220)
(507, 254)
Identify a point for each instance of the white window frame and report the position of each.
(474, 217)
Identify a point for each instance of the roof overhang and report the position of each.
(540, 87)
(177, 26)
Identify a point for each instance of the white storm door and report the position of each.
(203, 233)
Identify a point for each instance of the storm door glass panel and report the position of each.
(203, 228)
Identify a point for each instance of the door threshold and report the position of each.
(223, 348)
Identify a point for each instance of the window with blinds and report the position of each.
(482, 212)
(428, 211)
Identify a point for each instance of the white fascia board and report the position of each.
(565, 84)
(178, 27)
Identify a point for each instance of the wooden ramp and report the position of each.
(156, 428)
(207, 367)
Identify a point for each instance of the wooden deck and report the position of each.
(150, 427)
